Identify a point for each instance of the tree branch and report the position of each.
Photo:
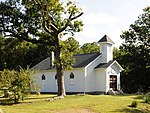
(25, 37)
(44, 13)
(38, 3)
(77, 16)
(44, 25)
(69, 19)
(54, 28)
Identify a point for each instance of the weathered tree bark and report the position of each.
(59, 68)
(60, 82)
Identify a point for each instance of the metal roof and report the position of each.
(81, 60)
(43, 65)
(105, 38)
(105, 65)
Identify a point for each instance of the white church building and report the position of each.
(92, 72)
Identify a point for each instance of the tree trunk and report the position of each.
(59, 68)
(60, 82)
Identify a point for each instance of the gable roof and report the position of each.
(105, 38)
(81, 60)
(43, 65)
(106, 65)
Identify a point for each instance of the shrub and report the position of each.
(18, 83)
(134, 104)
(146, 99)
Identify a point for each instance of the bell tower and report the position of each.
(106, 48)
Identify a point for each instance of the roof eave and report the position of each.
(93, 60)
(100, 69)
(121, 68)
(111, 43)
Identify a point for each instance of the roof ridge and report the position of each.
(105, 65)
(81, 61)
(85, 53)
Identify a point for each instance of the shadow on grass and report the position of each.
(139, 97)
(36, 98)
(124, 95)
(131, 110)
(7, 101)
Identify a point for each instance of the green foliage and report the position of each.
(72, 45)
(18, 83)
(69, 47)
(134, 55)
(116, 53)
(6, 77)
(44, 20)
(146, 99)
(133, 104)
(22, 53)
(30, 19)
(89, 48)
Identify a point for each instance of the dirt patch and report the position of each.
(75, 111)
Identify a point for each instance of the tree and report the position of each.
(69, 47)
(41, 22)
(136, 54)
(89, 48)
(1, 51)
(116, 53)
(17, 50)
(36, 53)
(18, 83)
(22, 53)
(72, 45)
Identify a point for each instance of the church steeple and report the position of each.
(106, 48)
(105, 39)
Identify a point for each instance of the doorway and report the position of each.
(113, 82)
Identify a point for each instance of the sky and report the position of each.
(110, 17)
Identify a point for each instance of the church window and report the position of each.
(55, 76)
(71, 76)
(43, 77)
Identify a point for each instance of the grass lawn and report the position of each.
(78, 104)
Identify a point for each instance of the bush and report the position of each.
(134, 104)
(19, 83)
(146, 99)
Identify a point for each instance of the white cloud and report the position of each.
(100, 18)
(86, 36)
(90, 31)
(95, 26)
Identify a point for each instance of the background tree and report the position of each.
(116, 53)
(22, 53)
(69, 47)
(89, 48)
(135, 55)
(41, 22)
(1, 51)
(72, 45)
